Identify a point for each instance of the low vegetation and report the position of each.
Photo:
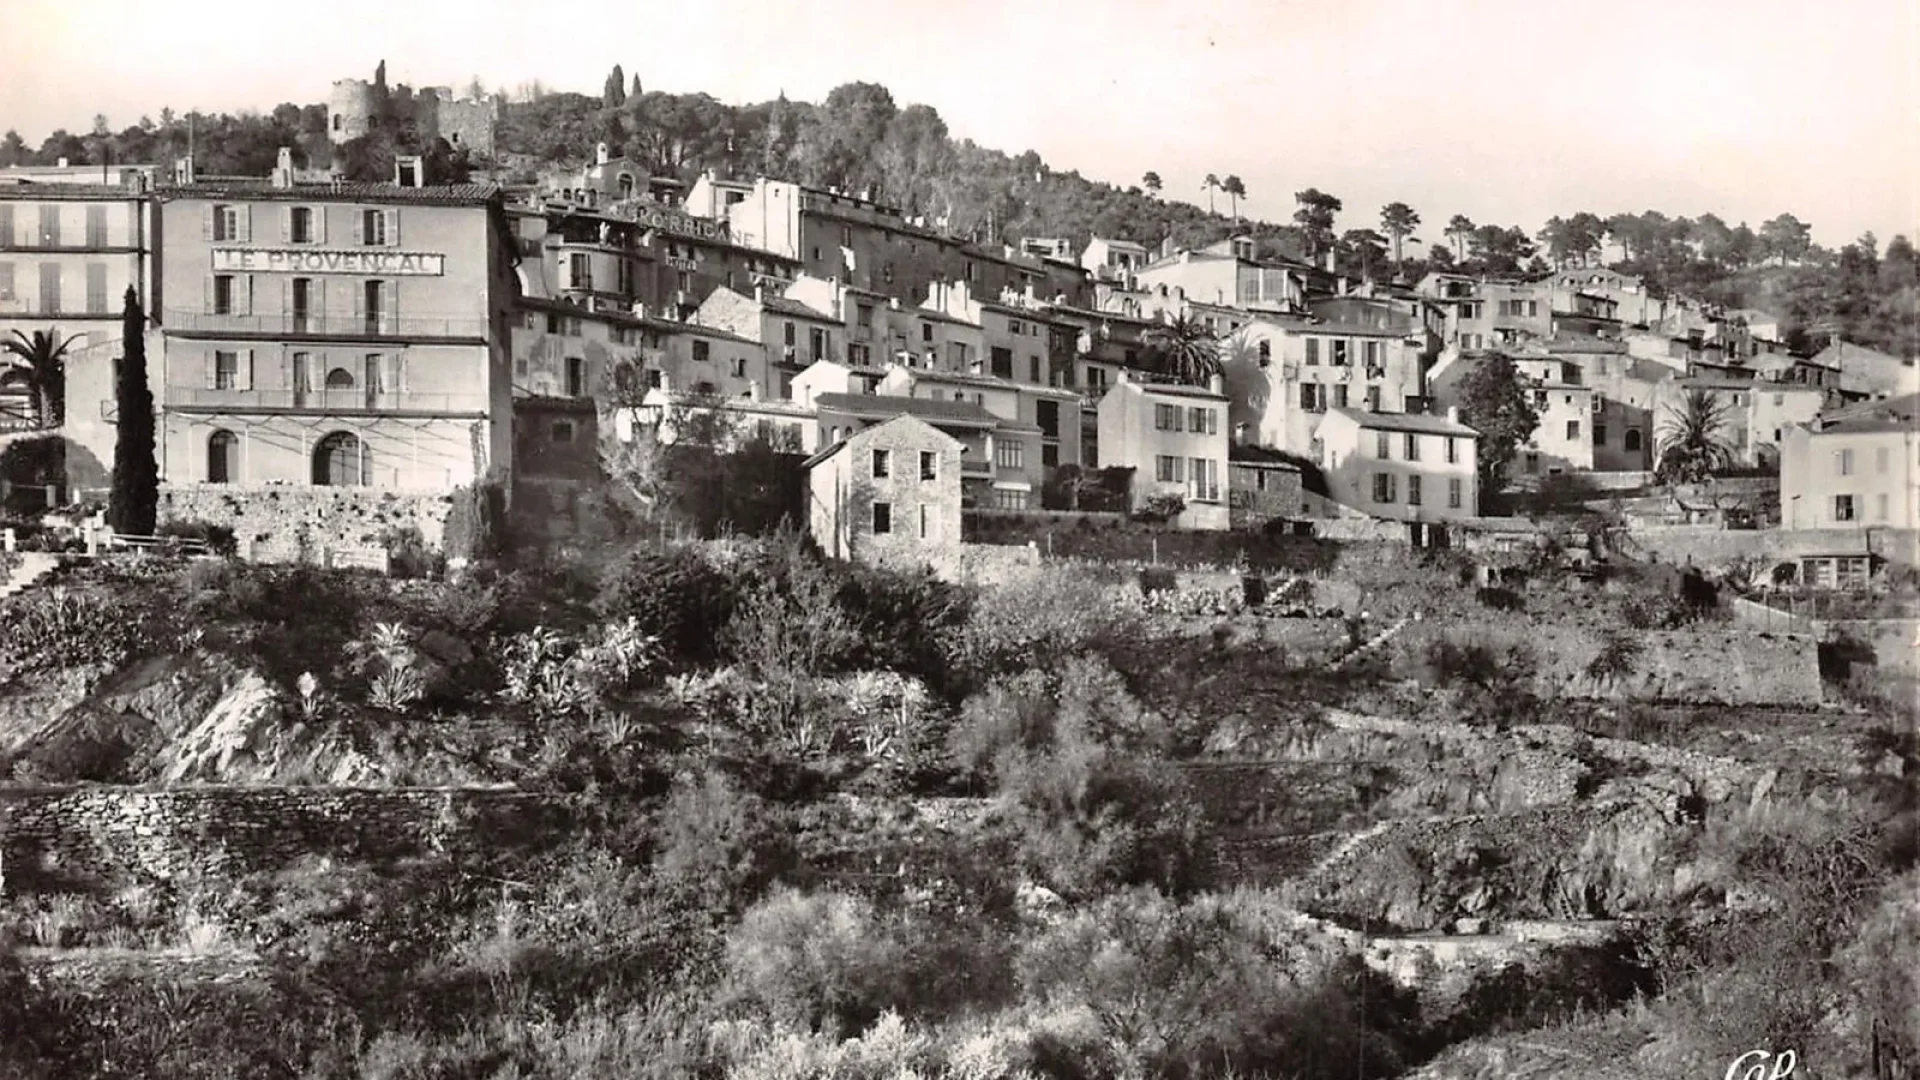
(839, 821)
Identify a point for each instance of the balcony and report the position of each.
(356, 401)
(976, 468)
(363, 327)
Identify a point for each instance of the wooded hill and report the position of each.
(859, 139)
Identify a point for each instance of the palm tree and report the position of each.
(1692, 446)
(1185, 350)
(1210, 183)
(43, 357)
(1458, 230)
(1399, 220)
(1236, 190)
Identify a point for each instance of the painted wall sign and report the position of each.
(673, 221)
(679, 263)
(329, 261)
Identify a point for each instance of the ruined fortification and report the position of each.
(354, 108)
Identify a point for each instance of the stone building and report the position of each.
(886, 490)
(355, 107)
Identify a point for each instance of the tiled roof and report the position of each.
(264, 191)
(992, 382)
(1891, 414)
(38, 192)
(1260, 456)
(823, 454)
(780, 305)
(937, 315)
(1179, 390)
(1414, 422)
(889, 405)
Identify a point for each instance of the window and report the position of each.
(576, 376)
(1167, 418)
(373, 306)
(702, 351)
(929, 465)
(882, 518)
(554, 325)
(226, 224)
(737, 367)
(1266, 354)
(1340, 352)
(373, 227)
(1880, 459)
(223, 294)
(1002, 362)
(1169, 470)
(1412, 446)
(882, 464)
(1049, 454)
(1010, 454)
(1383, 487)
(1033, 369)
(579, 271)
(863, 316)
(817, 339)
(1453, 492)
(1600, 435)
(300, 296)
(1313, 352)
(926, 333)
(1533, 461)
(96, 226)
(1843, 462)
(340, 379)
(1313, 397)
(1880, 506)
(1340, 396)
(1573, 430)
(1373, 399)
(226, 370)
(1203, 421)
(300, 225)
(223, 457)
(562, 431)
(1843, 508)
(1370, 355)
(97, 289)
(1382, 445)
(1631, 441)
(1413, 490)
(1005, 499)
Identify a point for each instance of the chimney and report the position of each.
(409, 171)
(601, 153)
(1329, 260)
(753, 390)
(1453, 414)
(283, 169)
(1240, 433)
(1216, 384)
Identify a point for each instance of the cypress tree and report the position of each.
(133, 505)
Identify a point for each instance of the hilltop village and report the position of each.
(627, 624)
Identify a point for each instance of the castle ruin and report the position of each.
(355, 108)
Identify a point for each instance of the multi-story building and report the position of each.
(892, 488)
(347, 334)
(1777, 407)
(1855, 468)
(1228, 274)
(1175, 439)
(1022, 339)
(878, 329)
(1113, 259)
(993, 466)
(72, 242)
(1400, 466)
(1284, 374)
(1870, 372)
(1490, 313)
(791, 335)
(1052, 413)
(1634, 304)
(857, 240)
(1624, 392)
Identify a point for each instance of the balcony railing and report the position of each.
(344, 326)
(332, 401)
(976, 467)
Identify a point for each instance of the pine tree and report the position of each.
(133, 504)
(635, 95)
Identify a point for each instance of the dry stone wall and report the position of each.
(278, 523)
(116, 835)
(1703, 667)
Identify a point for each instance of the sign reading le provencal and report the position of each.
(378, 261)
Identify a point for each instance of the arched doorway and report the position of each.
(223, 457)
(341, 461)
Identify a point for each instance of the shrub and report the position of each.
(677, 595)
(1500, 599)
(720, 846)
(219, 539)
(904, 619)
(408, 555)
(1037, 620)
(476, 521)
(822, 963)
(1619, 652)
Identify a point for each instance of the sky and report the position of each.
(1508, 111)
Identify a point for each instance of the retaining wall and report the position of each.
(278, 520)
(1710, 546)
(113, 835)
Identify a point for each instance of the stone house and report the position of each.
(885, 491)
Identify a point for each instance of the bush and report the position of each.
(1039, 621)
(1500, 599)
(219, 539)
(476, 521)
(719, 846)
(408, 555)
(677, 595)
